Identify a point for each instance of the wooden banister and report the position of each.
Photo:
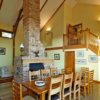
(89, 39)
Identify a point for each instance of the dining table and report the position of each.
(39, 90)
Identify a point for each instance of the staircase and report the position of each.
(85, 39)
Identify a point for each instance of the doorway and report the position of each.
(69, 61)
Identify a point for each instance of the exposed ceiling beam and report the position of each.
(43, 5)
(15, 26)
(3, 30)
(1, 1)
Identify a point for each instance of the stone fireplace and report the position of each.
(33, 48)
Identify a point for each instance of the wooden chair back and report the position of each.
(84, 69)
(67, 85)
(17, 90)
(85, 75)
(45, 73)
(77, 81)
(55, 86)
(76, 86)
(85, 80)
(62, 71)
(34, 75)
(91, 73)
(18, 93)
(53, 71)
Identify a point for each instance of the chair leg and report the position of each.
(79, 95)
(70, 97)
(92, 87)
(74, 95)
(60, 96)
(88, 89)
(84, 90)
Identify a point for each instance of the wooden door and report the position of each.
(69, 61)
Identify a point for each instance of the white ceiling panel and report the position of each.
(42, 3)
(49, 10)
(9, 11)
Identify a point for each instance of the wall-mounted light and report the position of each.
(99, 41)
(22, 49)
(98, 18)
(48, 29)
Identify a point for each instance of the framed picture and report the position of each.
(80, 53)
(81, 61)
(2, 51)
(56, 56)
(74, 34)
(93, 58)
(78, 27)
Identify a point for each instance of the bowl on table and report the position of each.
(39, 83)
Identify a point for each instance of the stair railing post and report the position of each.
(87, 38)
(98, 45)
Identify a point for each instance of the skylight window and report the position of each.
(7, 34)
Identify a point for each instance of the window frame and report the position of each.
(10, 32)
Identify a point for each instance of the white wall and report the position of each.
(92, 65)
(99, 68)
(57, 63)
(6, 60)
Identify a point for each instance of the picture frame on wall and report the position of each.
(78, 27)
(2, 51)
(56, 56)
(74, 33)
(80, 53)
(81, 61)
(93, 58)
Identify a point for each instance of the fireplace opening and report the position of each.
(36, 66)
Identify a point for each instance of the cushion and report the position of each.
(66, 90)
(54, 97)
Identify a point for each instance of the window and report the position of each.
(6, 34)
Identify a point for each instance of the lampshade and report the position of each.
(21, 45)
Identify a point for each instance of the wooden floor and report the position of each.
(6, 92)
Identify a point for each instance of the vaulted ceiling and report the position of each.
(10, 9)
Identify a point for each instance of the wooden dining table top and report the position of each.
(37, 89)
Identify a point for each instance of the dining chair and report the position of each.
(76, 86)
(67, 86)
(55, 88)
(84, 69)
(85, 80)
(45, 73)
(53, 71)
(34, 75)
(17, 90)
(91, 74)
(62, 71)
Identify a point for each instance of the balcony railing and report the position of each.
(84, 39)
